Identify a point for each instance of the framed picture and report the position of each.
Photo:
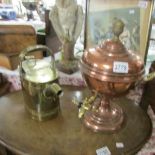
(135, 14)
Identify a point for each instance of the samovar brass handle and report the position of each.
(85, 105)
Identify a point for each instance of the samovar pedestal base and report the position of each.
(108, 117)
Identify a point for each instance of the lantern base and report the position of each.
(107, 118)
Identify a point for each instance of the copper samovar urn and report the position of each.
(109, 70)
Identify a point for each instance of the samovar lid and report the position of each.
(111, 61)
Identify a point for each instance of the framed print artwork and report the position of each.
(135, 14)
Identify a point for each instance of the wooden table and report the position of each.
(66, 134)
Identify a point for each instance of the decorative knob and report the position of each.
(117, 28)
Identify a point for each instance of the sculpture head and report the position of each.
(65, 3)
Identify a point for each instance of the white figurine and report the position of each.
(67, 19)
(19, 8)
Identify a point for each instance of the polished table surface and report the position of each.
(66, 134)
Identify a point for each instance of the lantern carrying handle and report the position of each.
(35, 48)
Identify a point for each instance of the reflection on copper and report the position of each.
(95, 65)
(106, 66)
(109, 54)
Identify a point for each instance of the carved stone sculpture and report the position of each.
(67, 19)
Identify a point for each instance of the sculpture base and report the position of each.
(105, 120)
(68, 67)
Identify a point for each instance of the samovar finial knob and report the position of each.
(117, 28)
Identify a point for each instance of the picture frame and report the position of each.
(136, 16)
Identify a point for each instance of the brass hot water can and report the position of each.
(39, 80)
